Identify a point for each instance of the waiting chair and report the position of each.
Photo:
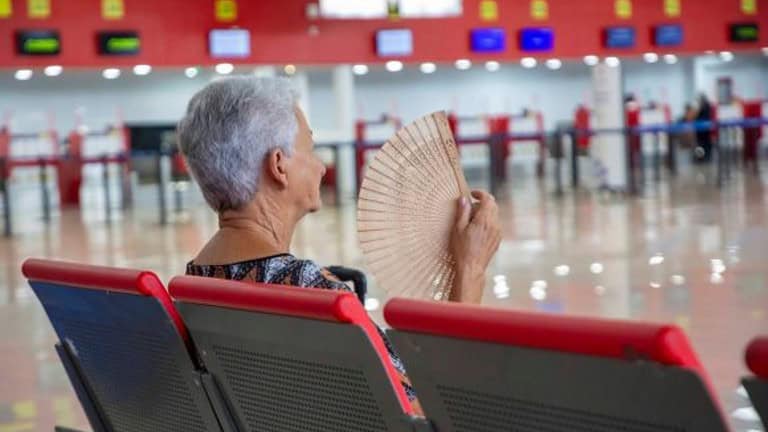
(478, 369)
(125, 349)
(293, 359)
(756, 358)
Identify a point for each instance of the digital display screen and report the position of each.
(38, 42)
(537, 39)
(488, 40)
(744, 32)
(394, 43)
(118, 43)
(619, 37)
(229, 43)
(668, 35)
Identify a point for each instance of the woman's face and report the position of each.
(305, 169)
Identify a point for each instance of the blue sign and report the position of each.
(620, 37)
(488, 40)
(537, 39)
(668, 35)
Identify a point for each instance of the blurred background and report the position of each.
(625, 141)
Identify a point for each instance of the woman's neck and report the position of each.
(261, 229)
(262, 219)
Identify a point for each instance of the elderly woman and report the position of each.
(249, 147)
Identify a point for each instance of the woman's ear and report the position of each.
(277, 167)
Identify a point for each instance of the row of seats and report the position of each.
(225, 356)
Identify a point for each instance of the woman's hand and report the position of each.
(474, 240)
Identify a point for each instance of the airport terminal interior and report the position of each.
(625, 143)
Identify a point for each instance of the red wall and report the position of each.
(174, 32)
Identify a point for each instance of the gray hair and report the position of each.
(228, 129)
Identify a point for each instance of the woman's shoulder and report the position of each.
(307, 273)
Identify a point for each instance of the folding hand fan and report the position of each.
(407, 208)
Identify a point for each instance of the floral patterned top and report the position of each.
(285, 269)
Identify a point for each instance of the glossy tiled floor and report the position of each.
(684, 252)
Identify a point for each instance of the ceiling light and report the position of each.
(612, 61)
(427, 68)
(677, 279)
(359, 69)
(670, 58)
(289, 69)
(591, 60)
(528, 62)
(596, 268)
(599, 290)
(492, 66)
(656, 259)
(191, 72)
(393, 66)
(142, 69)
(53, 71)
(554, 64)
(650, 57)
(224, 68)
(110, 73)
(726, 56)
(463, 64)
(23, 74)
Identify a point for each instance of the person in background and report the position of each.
(248, 145)
(703, 150)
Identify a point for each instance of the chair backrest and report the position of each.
(127, 344)
(292, 359)
(756, 357)
(482, 369)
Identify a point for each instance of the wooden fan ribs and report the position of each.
(406, 209)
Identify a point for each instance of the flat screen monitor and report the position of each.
(229, 43)
(489, 40)
(744, 32)
(394, 43)
(620, 37)
(38, 42)
(537, 39)
(668, 35)
(118, 42)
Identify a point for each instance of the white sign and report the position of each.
(232, 43)
(394, 43)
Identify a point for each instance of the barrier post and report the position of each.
(107, 194)
(44, 193)
(7, 220)
(631, 175)
(161, 184)
(574, 160)
(672, 139)
(559, 137)
(656, 156)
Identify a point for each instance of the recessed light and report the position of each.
(427, 67)
(224, 68)
(53, 71)
(612, 61)
(650, 57)
(111, 73)
(726, 56)
(23, 74)
(142, 69)
(554, 64)
(591, 60)
(359, 69)
(670, 58)
(463, 64)
(528, 62)
(492, 66)
(289, 69)
(393, 66)
(191, 72)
